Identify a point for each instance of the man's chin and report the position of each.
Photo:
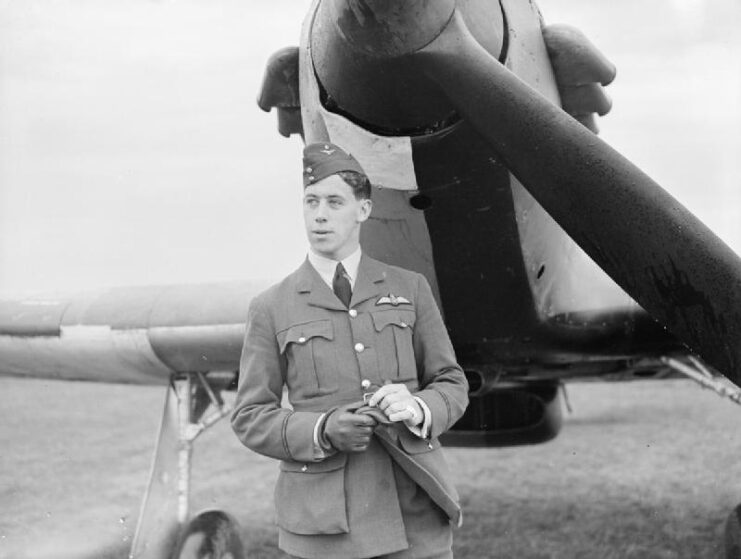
(323, 249)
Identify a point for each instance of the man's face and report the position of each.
(332, 216)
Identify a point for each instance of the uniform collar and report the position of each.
(326, 267)
(371, 275)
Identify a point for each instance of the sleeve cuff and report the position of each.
(318, 450)
(298, 435)
(322, 448)
(422, 430)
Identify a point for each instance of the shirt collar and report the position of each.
(326, 266)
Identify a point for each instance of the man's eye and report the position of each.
(311, 203)
(335, 203)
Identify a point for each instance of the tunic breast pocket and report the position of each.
(395, 330)
(311, 357)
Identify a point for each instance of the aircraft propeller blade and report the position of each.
(653, 247)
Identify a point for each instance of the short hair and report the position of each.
(360, 184)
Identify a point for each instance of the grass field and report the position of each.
(643, 470)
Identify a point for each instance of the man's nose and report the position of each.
(321, 212)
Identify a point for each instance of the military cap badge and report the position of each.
(324, 159)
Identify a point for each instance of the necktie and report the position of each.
(341, 285)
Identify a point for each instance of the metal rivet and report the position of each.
(304, 468)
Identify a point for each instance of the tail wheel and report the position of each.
(211, 534)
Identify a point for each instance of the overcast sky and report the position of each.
(132, 150)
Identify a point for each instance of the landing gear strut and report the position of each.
(697, 371)
(163, 523)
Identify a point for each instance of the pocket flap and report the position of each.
(302, 333)
(400, 318)
(329, 464)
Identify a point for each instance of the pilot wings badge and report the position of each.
(393, 300)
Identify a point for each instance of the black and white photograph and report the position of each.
(370, 279)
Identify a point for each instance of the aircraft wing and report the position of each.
(126, 335)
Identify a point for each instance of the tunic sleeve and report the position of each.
(258, 420)
(443, 386)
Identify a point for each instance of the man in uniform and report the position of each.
(372, 381)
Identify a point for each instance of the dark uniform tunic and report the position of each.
(300, 335)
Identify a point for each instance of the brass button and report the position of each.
(403, 324)
(365, 384)
(359, 347)
(429, 445)
(301, 340)
(353, 313)
(305, 467)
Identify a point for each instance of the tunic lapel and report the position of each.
(369, 283)
(318, 293)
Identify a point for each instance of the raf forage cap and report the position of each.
(324, 159)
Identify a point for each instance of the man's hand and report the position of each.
(398, 404)
(347, 431)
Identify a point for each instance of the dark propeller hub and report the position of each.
(362, 55)
(360, 52)
(388, 28)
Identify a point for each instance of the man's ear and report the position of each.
(365, 210)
